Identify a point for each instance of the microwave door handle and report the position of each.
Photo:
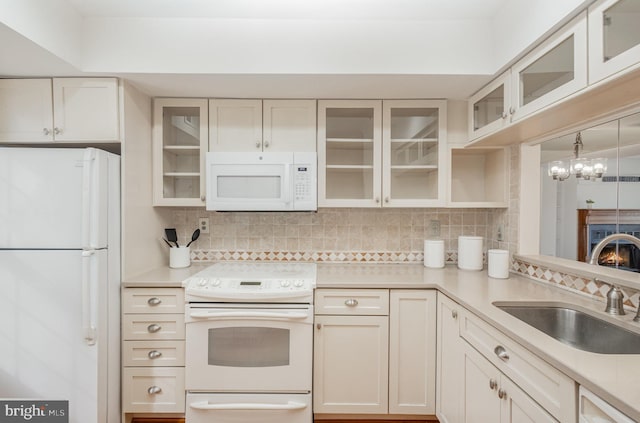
(287, 183)
(290, 405)
(251, 314)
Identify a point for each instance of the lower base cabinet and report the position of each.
(490, 396)
(484, 376)
(374, 351)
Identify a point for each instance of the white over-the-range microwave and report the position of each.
(263, 181)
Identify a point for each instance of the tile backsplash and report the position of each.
(384, 234)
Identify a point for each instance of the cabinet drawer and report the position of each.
(152, 326)
(153, 353)
(151, 389)
(552, 389)
(352, 301)
(155, 300)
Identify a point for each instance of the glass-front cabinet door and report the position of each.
(413, 152)
(614, 37)
(489, 108)
(555, 70)
(349, 157)
(180, 144)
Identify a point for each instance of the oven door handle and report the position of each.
(243, 314)
(290, 405)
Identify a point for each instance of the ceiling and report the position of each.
(277, 48)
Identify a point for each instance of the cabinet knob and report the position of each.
(493, 384)
(377, 200)
(154, 301)
(501, 353)
(46, 131)
(203, 198)
(512, 110)
(153, 328)
(154, 354)
(504, 115)
(502, 394)
(386, 200)
(318, 326)
(454, 314)
(57, 131)
(351, 302)
(258, 144)
(266, 144)
(154, 390)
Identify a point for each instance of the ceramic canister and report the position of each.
(470, 252)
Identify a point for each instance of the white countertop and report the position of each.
(616, 378)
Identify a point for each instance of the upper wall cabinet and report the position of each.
(489, 108)
(262, 125)
(413, 153)
(554, 70)
(59, 109)
(349, 153)
(179, 147)
(614, 37)
(375, 153)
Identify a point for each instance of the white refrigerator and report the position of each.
(60, 279)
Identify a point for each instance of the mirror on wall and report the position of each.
(590, 188)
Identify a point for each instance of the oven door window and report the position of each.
(248, 347)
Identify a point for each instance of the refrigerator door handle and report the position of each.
(89, 206)
(88, 292)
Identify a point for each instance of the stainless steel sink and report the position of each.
(575, 328)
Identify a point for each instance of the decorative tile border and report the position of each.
(451, 257)
(573, 282)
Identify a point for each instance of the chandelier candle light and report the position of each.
(581, 167)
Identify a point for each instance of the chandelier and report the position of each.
(581, 167)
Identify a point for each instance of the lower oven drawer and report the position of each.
(248, 408)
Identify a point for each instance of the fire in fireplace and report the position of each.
(620, 254)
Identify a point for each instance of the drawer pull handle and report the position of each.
(154, 301)
(493, 384)
(502, 394)
(154, 390)
(154, 354)
(351, 302)
(501, 353)
(153, 328)
(454, 314)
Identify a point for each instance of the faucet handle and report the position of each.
(615, 298)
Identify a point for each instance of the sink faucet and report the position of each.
(614, 296)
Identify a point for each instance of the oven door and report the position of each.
(249, 408)
(249, 348)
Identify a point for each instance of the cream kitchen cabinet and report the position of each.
(374, 153)
(489, 396)
(412, 352)
(179, 148)
(614, 38)
(153, 351)
(552, 71)
(489, 354)
(59, 110)
(262, 125)
(488, 109)
(479, 177)
(374, 352)
(449, 361)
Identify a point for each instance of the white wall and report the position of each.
(142, 224)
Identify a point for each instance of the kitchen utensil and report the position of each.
(168, 243)
(194, 236)
(172, 236)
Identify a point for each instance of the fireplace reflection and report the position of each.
(620, 254)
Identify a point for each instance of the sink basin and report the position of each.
(576, 328)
